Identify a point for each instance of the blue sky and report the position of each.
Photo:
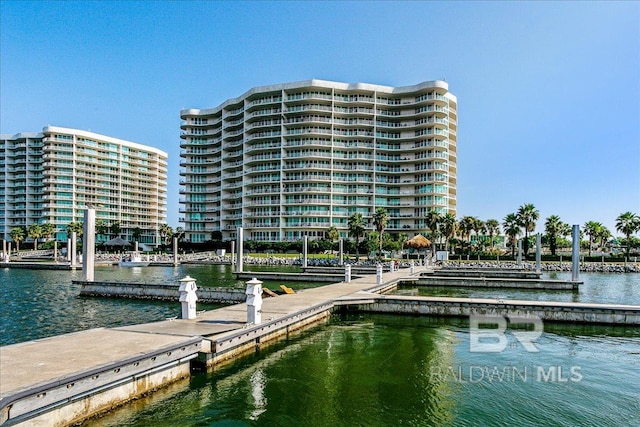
(548, 92)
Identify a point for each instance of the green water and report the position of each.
(360, 370)
(374, 370)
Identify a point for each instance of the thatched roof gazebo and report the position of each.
(418, 242)
(118, 241)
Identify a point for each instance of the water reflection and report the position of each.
(381, 370)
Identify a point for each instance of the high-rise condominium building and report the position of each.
(52, 176)
(293, 159)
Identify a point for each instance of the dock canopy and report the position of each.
(118, 241)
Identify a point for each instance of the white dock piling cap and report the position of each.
(254, 281)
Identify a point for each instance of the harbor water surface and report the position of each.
(362, 370)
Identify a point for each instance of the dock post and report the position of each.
(412, 267)
(69, 249)
(519, 253)
(188, 297)
(538, 252)
(347, 273)
(73, 249)
(88, 244)
(239, 266)
(305, 242)
(390, 266)
(175, 250)
(575, 254)
(341, 246)
(379, 274)
(254, 301)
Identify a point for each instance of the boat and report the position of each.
(133, 260)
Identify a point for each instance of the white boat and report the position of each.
(133, 260)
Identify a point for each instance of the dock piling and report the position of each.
(538, 254)
(254, 301)
(188, 297)
(575, 254)
(347, 273)
(88, 244)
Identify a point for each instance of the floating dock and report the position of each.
(65, 379)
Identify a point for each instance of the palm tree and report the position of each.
(511, 229)
(166, 233)
(48, 230)
(356, 229)
(554, 227)
(380, 220)
(77, 227)
(592, 229)
(448, 227)
(433, 221)
(115, 228)
(478, 227)
(493, 229)
(179, 233)
(628, 223)
(136, 234)
(332, 234)
(102, 229)
(35, 232)
(402, 239)
(527, 215)
(466, 225)
(17, 235)
(604, 236)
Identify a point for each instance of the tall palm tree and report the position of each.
(478, 227)
(48, 230)
(356, 229)
(493, 229)
(604, 235)
(527, 215)
(380, 220)
(511, 229)
(166, 233)
(466, 225)
(77, 227)
(332, 234)
(35, 232)
(592, 229)
(17, 235)
(628, 223)
(136, 234)
(448, 227)
(179, 233)
(102, 229)
(115, 228)
(433, 221)
(554, 227)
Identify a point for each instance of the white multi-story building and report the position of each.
(293, 159)
(50, 177)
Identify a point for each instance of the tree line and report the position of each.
(47, 230)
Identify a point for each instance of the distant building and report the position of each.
(293, 159)
(51, 176)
